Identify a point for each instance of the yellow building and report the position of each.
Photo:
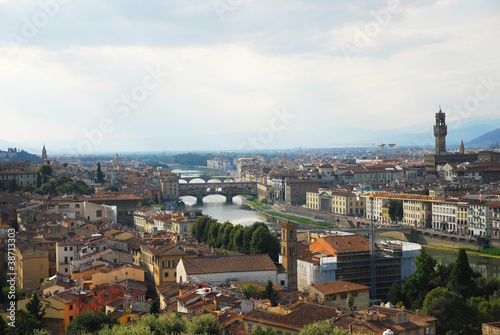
(462, 217)
(385, 212)
(119, 273)
(32, 265)
(335, 294)
(336, 201)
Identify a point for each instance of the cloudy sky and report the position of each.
(101, 76)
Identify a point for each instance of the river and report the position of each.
(487, 266)
(217, 207)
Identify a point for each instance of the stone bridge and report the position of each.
(229, 190)
(206, 178)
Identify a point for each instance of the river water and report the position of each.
(487, 266)
(217, 207)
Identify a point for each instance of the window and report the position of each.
(98, 213)
(70, 248)
(354, 294)
(106, 294)
(66, 270)
(116, 277)
(77, 206)
(41, 266)
(343, 295)
(65, 248)
(71, 318)
(71, 307)
(250, 328)
(165, 274)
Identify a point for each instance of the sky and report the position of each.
(104, 76)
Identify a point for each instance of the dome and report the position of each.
(55, 162)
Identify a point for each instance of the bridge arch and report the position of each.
(197, 181)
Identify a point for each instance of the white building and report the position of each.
(213, 270)
(444, 215)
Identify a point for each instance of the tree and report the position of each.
(25, 323)
(45, 170)
(34, 307)
(350, 302)
(247, 236)
(324, 328)
(394, 294)
(416, 287)
(258, 243)
(260, 331)
(3, 326)
(226, 230)
(90, 322)
(237, 243)
(461, 277)
(52, 188)
(271, 293)
(205, 324)
(27, 188)
(100, 175)
(251, 291)
(38, 179)
(213, 234)
(12, 185)
(396, 210)
(154, 308)
(450, 309)
(112, 188)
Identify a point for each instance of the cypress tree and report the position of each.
(38, 179)
(461, 277)
(100, 175)
(34, 307)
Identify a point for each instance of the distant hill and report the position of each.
(15, 155)
(485, 140)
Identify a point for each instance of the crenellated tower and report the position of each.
(440, 132)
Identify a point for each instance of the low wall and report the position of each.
(334, 219)
(446, 241)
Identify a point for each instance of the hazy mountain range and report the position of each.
(475, 132)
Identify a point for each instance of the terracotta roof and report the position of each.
(66, 298)
(301, 315)
(245, 263)
(339, 286)
(116, 302)
(340, 244)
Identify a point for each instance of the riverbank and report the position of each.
(469, 251)
(272, 212)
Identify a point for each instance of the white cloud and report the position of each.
(228, 76)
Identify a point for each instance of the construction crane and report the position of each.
(381, 145)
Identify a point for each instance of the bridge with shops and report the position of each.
(229, 190)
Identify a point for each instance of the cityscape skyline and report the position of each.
(210, 76)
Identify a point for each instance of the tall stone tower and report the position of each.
(289, 252)
(462, 148)
(440, 131)
(45, 160)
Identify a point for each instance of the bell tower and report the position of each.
(289, 252)
(44, 155)
(440, 132)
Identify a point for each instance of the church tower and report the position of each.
(289, 252)
(462, 148)
(440, 131)
(45, 160)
